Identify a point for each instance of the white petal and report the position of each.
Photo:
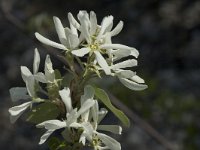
(102, 114)
(73, 21)
(76, 125)
(45, 136)
(124, 73)
(137, 79)
(106, 25)
(86, 106)
(71, 117)
(49, 42)
(130, 50)
(73, 41)
(18, 93)
(132, 85)
(73, 29)
(85, 25)
(110, 142)
(82, 139)
(125, 64)
(49, 72)
(88, 94)
(30, 84)
(60, 30)
(25, 72)
(111, 128)
(40, 77)
(36, 61)
(88, 130)
(93, 21)
(81, 52)
(52, 124)
(95, 112)
(66, 98)
(17, 111)
(102, 62)
(117, 29)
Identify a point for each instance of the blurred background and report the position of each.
(167, 35)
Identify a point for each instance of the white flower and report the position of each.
(90, 124)
(71, 116)
(68, 37)
(99, 38)
(129, 79)
(30, 80)
(25, 72)
(17, 111)
(19, 93)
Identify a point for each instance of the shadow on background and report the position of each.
(167, 34)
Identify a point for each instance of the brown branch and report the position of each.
(142, 123)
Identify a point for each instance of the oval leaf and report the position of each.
(102, 95)
(43, 112)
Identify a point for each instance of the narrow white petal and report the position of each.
(82, 139)
(117, 29)
(106, 25)
(40, 77)
(93, 21)
(102, 114)
(30, 84)
(86, 106)
(108, 141)
(88, 94)
(66, 98)
(81, 52)
(73, 21)
(137, 79)
(45, 136)
(111, 128)
(124, 73)
(16, 111)
(95, 112)
(132, 85)
(88, 130)
(52, 124)
(36, 61)
(49, 72)
(71, 117)
(102, 62)
(73, 41)
(73, 29)
(18, 93)
(121, 53)
(60, 30)
(85, 25)
(125, 64)
(133, 51)
(25, 72)
(49, 42)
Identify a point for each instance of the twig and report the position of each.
(142, 123)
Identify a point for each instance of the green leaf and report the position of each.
(57, 74)
(43, 112)
(56, 144)
(102, 95)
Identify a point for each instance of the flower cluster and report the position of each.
(74, 108)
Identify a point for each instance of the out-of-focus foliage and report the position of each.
(167, 34)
